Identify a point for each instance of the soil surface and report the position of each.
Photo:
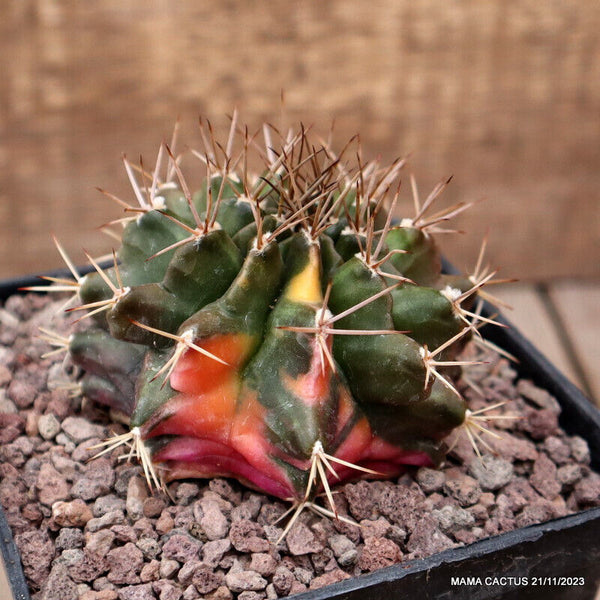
(92, 530)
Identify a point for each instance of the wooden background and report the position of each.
(503, 94)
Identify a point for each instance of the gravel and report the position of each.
(491, 472)
(92, 530)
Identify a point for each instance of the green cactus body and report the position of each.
(198, 273)
(395, 372)
(262, 330)
(111, 366)
(148, 234)
(422, 262)
(426, 313)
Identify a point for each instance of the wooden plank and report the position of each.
(530, 315)
(578, 304)
(5, 588)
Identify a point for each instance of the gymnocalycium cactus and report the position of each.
(282, 329)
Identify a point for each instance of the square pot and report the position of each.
(555, 559)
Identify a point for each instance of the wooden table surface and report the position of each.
(562, 319)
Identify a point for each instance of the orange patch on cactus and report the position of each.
(206, 415)
(197, 373)
(356, 441)
(346, 407)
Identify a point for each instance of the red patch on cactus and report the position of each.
(190, 458)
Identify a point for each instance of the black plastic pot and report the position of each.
(554, 560)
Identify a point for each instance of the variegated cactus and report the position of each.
(285, 330)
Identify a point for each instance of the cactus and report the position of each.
(285, 329)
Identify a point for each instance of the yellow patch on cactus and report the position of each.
(306, 285)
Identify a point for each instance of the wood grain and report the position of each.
(503, 94)
(578, 304)
(528, 313)
(5, 587)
